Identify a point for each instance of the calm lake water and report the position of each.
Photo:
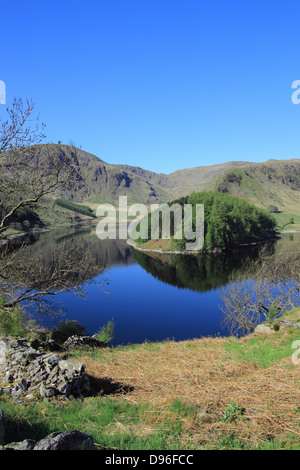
(151, 298)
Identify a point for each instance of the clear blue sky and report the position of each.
(162, 84)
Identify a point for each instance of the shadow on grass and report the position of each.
(17, 430)
(106, 386)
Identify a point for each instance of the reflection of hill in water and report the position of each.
(199, 273)
(205, 272)
(106, 253)
(62, 259)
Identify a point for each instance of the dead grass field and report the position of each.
(226, 394)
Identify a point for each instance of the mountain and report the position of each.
(275, 182)
(104, 182)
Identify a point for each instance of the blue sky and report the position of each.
(162, 84)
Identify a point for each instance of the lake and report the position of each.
(150, 298)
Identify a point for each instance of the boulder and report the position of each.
(264, 329)
(73, 440)
(271, 328)
(81, 341)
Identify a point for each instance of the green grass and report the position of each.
(78, 208)
(100, 355)
(119, 425)
(283, 219)
(112, 424)
(264, 351)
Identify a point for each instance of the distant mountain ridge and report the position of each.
(272, 182)
(105, 182)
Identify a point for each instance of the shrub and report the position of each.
(107, 332)
(12, 322)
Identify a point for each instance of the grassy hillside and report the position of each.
(275, 182)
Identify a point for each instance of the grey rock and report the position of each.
(27, 444)
(73, 440)
(289, 324)
(71, 367)
(80, 341)
(44, 373)
(264, 329)
(270, 328)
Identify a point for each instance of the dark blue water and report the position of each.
(150, 298)
(145, 308)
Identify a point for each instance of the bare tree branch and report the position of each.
(269, 288)
(31, 172)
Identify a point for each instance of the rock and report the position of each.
(26, 370)
(27, 444)
(80, 341)
(289, 324)
(73, 440)
(71, 367)
(271, 328)
(51, 345)
(264, 329)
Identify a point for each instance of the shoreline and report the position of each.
(216, 251)
(290, 231)
(16, 236)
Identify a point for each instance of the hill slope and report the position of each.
(275, 182)
(103, 182)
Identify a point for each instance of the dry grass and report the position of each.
(202, 374)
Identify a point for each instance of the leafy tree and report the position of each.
(229, 220)
(106, 332)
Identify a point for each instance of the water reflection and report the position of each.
(59, 261)
(200, 273)
(151, 297)
(104, 253)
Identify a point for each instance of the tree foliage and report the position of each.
(231, 220)
(81, 209)
(228, 221)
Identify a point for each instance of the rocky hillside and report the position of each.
(275, 182)
(103, 182)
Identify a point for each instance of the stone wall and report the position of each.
(26, 370)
